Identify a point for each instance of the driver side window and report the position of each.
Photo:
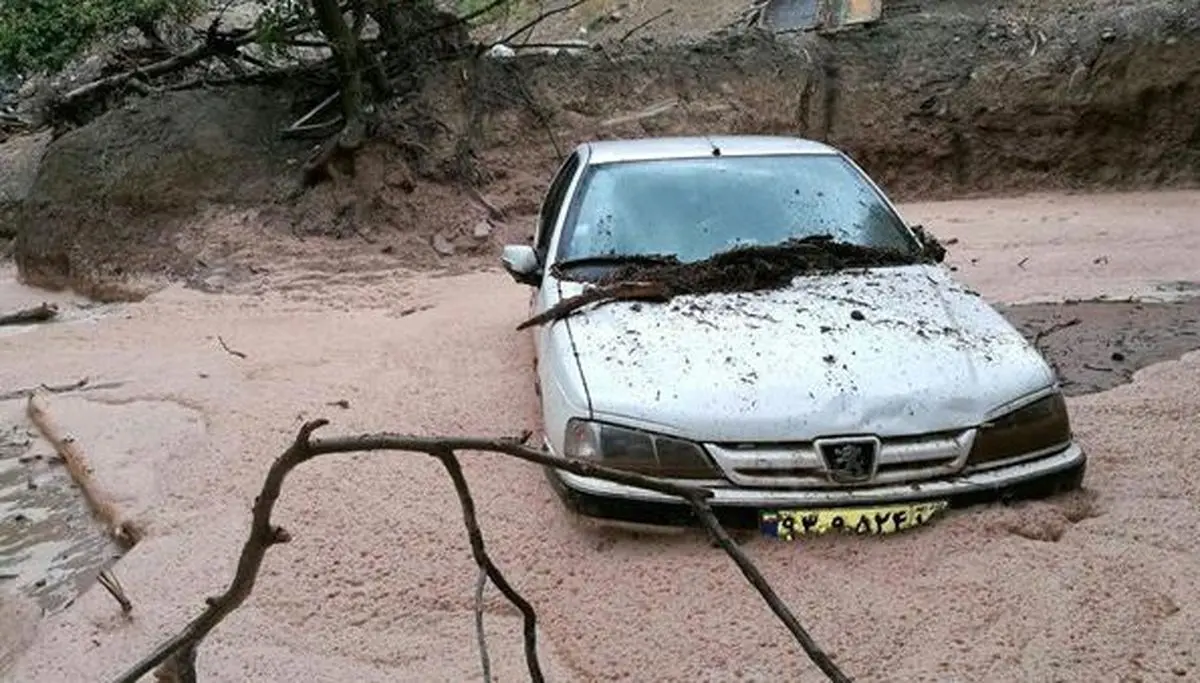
(553, 204)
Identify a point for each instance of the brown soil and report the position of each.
(950, 100)
(377, 583)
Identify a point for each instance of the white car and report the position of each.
(867, 398)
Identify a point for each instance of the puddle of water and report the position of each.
(51, 548)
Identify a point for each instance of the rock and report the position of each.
(20, 157)
(501, 52)
(108, 196)
(482, 231)
(442, 245)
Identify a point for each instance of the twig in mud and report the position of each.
(114, 588)
(480, 635)
(1096, 368)
(621, 291)
(124, 531)
(177, 655)
(228, 350)
(81, 385)
(37, 314)
(645, 23)
(1042, 334)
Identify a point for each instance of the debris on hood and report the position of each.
(744, 269)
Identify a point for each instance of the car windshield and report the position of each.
(695, 208)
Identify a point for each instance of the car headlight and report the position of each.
(1036, 427)
(637, 451)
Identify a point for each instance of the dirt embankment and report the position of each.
(934, 104)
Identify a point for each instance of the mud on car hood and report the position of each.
(890, 351)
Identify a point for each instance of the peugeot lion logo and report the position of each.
(848, 462)
(851, 460)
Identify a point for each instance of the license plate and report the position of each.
(787, 525)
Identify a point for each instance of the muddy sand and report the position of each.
(377, 582)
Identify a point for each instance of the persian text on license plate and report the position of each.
(881, 519)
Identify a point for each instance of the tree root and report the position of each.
(175, 658)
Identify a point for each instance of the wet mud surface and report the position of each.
(1097, 345)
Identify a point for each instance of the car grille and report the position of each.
(800, 465)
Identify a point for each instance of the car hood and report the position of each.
(889, 351)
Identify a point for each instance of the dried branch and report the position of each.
(485, 562)
(37, 314)
(621, 291)
(535, 21)
(645, 23)
(755, 577)
(232, 352)
(1045, 332)
(480, 634)
(81, 385)
(115, 589)
(124, 531)
(181, 61)
(177, 655)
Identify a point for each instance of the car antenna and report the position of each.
(716, 151)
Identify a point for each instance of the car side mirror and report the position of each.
(521, 262)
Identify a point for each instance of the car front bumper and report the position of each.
(740, 507)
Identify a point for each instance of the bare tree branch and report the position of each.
(177, 655)
(645, 23)
(621, 291)
(81, 385)
(115, 589)
(537, 20)
(755, 577)
(485, 562)
(480, 634)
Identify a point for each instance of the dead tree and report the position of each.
(175, 659)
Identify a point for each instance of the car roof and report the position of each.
(650, 149)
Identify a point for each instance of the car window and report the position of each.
(695, 208)
(553, 203)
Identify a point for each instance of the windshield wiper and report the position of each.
(618, 260)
